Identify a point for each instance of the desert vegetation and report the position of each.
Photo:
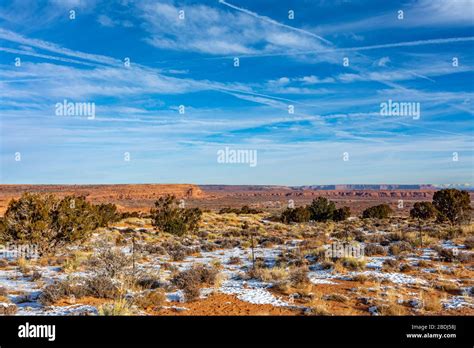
(320, 209)
(173, 260)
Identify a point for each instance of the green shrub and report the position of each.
(452, 205)
(342, 214)
(243, 210)
(381, 211)
(47, 221)
(423, 211)
(74, 219)
(107, 213)
(299, 214)
(168, 217)
(321, 209)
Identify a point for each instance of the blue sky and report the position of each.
(190, 62)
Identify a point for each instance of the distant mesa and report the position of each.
(366, 187)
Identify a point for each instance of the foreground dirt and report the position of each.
(221, 304)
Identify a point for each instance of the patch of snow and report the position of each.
(448, 244)
(394, 277)
(376, 262)
(176, 296)
(251, 291)
(321, 281)
(457, 302)
(176, 308)
(76, 309)
(373, 310)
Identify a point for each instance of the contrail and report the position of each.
(409, 43)
(363, 48)
(269, 20)
(47, 46)
(45, 56)
(360, 48)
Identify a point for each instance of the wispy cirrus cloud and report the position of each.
(212, 30)
(421, 13)
(190, 63)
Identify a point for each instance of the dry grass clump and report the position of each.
(406, 267)
(362, 278)
(3, 263)
(110, 263)
(423, 263)
(469, 242)
(177, 251)
(447, 233)
(373, 249)
(234, 260)
(400, 247)
(227, 243)
(292, 257)
(449, 287)
(8, 309)
(451, 255)
(445, 254)
(317, 254)
(349, 263)
(117, 308)
(154, 248)
(390, 264)
(98, 287)
(269, 275)
(431, 302)
(151, 299)
(24, 266)
(4, 299)
(75, 261)
(298, 277)
(177, 254)
(102, 287)
(390, 304)
(376, 239)
(148, 281)
(191, 280)
(391, 309)
(465, 257)
(3, 291)
(326, 264)
(395, 236)
(317, 306)
(35, 276)
(57, 291)
(336, 297)
(216, 264)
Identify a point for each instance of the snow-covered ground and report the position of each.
(24, 292)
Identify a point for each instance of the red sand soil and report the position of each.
(221, 304)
